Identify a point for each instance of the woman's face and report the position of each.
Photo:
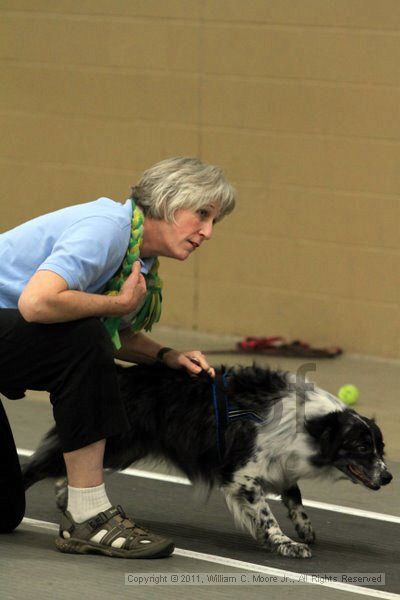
(181, 237)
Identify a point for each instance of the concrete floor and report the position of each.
(30, 566)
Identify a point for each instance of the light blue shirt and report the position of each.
(84, 244)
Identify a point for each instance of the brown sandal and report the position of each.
(111, 533)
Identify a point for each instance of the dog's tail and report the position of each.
(47, 460)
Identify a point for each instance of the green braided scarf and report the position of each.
(150, 311)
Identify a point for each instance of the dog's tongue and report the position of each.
(356, 472)
(361, 477)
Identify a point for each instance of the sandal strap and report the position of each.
(115, 533)
(119, 532)
(105, 516)
(96, 522)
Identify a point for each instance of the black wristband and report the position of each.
(161, 352)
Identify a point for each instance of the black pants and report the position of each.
(73, 361)
(12, 495)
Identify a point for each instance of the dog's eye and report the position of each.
(363, 449)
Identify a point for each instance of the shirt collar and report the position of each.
(146, 264)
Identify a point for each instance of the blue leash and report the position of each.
(220, 403)
(224, 411)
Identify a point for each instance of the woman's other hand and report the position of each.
(193, 361)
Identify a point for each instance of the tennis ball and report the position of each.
(349, 394)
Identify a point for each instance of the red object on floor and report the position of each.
(278, 346)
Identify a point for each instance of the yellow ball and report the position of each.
(349, 394)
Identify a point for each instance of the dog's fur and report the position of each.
(304, 432)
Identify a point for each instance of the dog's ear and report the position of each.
(319, 427)
(377, 435)
(325, 431)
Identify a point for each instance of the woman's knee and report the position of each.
(90, 333)
(88, 345)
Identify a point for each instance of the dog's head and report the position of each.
(351, 443)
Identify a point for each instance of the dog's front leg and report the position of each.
(292, 500)
(250, 509)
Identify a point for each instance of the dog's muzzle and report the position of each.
(372, 479)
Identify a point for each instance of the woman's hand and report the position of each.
(193, 361)
(133, 291)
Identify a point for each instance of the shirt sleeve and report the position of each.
(88, 252)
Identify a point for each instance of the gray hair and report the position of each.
(183, 183)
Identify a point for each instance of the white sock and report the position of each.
(84, 503)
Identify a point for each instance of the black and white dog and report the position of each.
(251, 431)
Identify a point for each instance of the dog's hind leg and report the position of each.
(292, 500)
(47, 460)
(61, 493)
(250, 509)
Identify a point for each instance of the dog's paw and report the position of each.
(292, 549)
(302, 525)
(306, 532)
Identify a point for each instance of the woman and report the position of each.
(65, 315)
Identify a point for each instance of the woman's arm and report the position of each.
(140, 348)
(137, 348)
(47, 299)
